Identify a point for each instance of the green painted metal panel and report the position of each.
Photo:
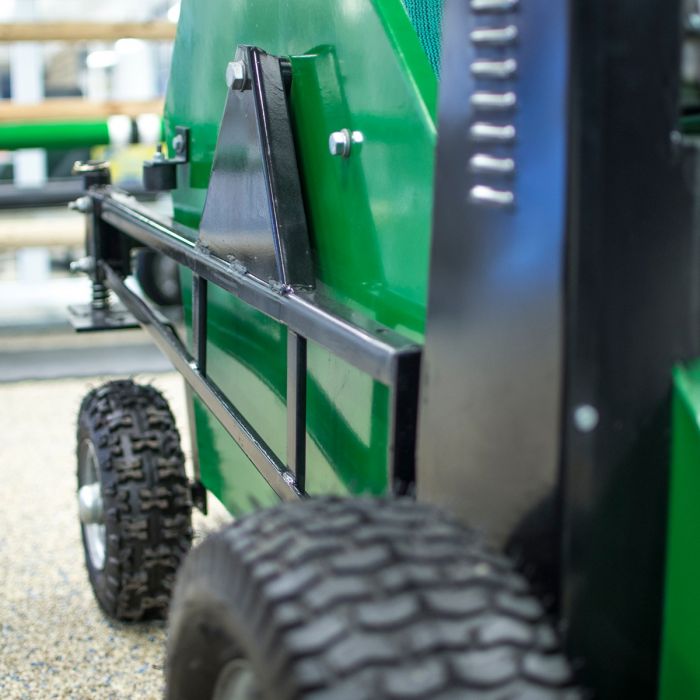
(357, 64)
(680, 666)
(76, 134)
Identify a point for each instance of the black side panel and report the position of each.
(629, 319)
(491, 391)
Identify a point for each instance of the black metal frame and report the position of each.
(117, 224)
(379, 351)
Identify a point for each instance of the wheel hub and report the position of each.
(236, 682)
(90, 504)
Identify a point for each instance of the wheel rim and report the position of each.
(90, 506)
(236, 682)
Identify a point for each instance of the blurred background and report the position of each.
(79, 80)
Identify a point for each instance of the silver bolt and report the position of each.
(82, 205)
(179, 143)
(159, 156)
(237, 75)
(340, 143)
(85, 265)
(586, 418)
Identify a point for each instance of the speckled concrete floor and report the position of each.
(54, 641)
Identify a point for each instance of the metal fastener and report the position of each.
(82, 205)
(586, 418)
(237, 75)
(85, 265)
(179, 143)
(340, 143)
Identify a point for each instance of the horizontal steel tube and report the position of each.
(64, 134)
(76, 134)
(53, 193)
(276, 474)
(307, 314)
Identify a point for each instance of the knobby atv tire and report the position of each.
(146, 497)
(356, 599)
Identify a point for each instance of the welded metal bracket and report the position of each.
(254, 212)
(160, 173)
(85, 318)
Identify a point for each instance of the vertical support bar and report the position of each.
(296, 407)
(199, 492)
(403, 421)
(200, 290)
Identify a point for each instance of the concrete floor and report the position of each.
(54, 642)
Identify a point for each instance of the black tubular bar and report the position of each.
(199, 322)
(403, 420)
(296, 407)
(255, 448)
(380, 352)
(309, 314)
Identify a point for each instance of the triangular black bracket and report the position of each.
(254, 212)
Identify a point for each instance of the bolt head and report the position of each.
(340, 143)
(237, 75)
(586, 418)
(84, 265)
(82, 205)
(179, 143)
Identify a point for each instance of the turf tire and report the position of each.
(334, 599)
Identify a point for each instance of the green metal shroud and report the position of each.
(357, 64)
(680, 670)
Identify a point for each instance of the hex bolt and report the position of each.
(586, 418)
(159, 156)
(237, 75)
(340, 143)
(85, 265)
(179, 144)
(82, 205)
